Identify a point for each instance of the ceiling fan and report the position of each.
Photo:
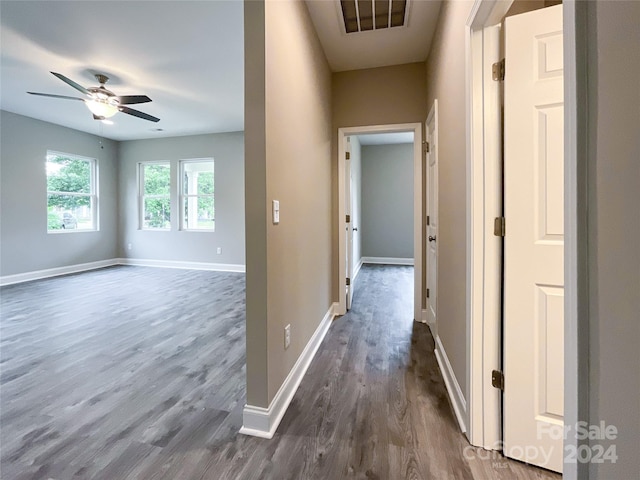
(103, 103)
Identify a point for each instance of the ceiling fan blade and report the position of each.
(70, 82)
(131, 99)
(56, 96)
(136, 113)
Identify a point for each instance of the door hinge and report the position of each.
(497, 379)
(497, 71)
(348, 219)
(347, 155)
(428, 220)
(348, 281)
(499, 227)
(427, 147)
(427, 293)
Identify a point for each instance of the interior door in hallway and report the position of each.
(349, 229)
(534, 240)
(432, 217)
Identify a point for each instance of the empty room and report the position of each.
(319, 239)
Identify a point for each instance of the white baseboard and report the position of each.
(55, 272)
(356, 270)
(453, 387)
(263, 422)
(423, 318)
(388, 260)
(215, 267)
(83, 267)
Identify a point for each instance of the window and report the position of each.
(197, 194)
(155, 196)
(71, 193)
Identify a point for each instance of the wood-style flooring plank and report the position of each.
(135, 373)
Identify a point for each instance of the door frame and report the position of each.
(483, 411)
(433, 143)
(344, 132)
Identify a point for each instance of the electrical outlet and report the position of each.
(287, 336)
(219, 250)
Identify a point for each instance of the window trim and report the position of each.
(142, 196)
(93, 194)
(182, 197)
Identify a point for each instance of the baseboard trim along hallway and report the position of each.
(263, 422)
(387, 260)
(214, 267)
(453, 387)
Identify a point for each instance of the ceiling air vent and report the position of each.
(363, 15)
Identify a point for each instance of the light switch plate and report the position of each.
(276, 212)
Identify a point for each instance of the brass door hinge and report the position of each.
(348, 219)
(497, 379)
(497, 71)
(428, 220)
(348, 281)
(347, 155)
(499, 227)
(427, 293)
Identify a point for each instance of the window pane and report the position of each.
(157, 179)
(65, 174)
(198, 178)
(69, 212)
(199, 213)
(157, 213)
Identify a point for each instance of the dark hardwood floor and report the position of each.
(138, 373)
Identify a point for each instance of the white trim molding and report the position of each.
(214, 267)
(263, 422)
(356, 270)
(55, 272)
(83, 267)
(387, 260)
(453, 387)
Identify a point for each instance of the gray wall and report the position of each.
(26, 245)
(356, 199)
(288, 158)
(445, 81)
(227, 150)
(614, 229)
(387, 200)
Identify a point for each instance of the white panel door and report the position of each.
(349, 232)
(534, 240)
(432, 220)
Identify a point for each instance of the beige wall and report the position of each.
(288, 132)
(374, 96)
(446, 83)
(614, 229)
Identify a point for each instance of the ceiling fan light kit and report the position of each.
(101, 102)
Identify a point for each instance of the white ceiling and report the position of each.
(376, 48)
(385, 138)
(187, 56)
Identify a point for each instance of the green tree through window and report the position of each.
(70, 192)
(156, 195)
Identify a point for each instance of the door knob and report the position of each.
(355, 229)
(432, 239)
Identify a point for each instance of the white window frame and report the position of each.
(185, 197)
(93, 194)
(142, 196)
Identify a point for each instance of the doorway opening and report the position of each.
(345, 265)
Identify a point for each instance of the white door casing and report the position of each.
(534, 240)
(349, 225)
(431, 225)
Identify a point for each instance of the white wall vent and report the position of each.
(364, 15)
